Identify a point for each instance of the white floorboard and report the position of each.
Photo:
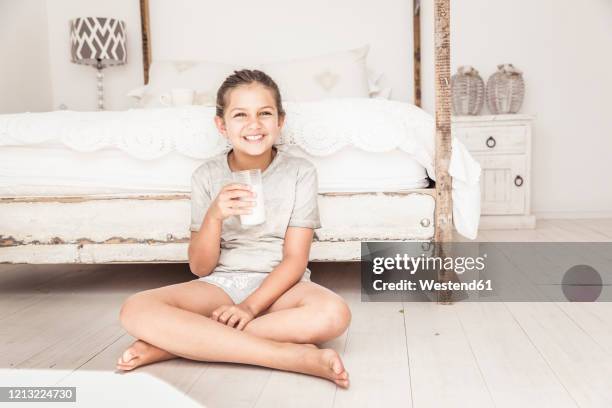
(517, 375)
(59, 325)
(582, 365)
(443, 367)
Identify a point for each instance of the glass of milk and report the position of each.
(253, 179)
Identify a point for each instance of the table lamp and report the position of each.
(98, 41)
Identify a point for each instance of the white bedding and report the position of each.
(358, 144)
(53, 171)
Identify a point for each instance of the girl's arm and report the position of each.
(296, 252)
(205, 246)
(296, 248)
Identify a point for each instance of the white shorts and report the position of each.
(240, 285)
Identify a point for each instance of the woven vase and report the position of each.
(468, 91)
(505, 90)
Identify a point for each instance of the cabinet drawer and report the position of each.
(493, 139)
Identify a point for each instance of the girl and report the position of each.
(254, 302)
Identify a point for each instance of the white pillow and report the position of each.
(376, 90)
(205, 77)
(338, 75)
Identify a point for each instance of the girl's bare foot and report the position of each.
(141, 353)
(325, 363)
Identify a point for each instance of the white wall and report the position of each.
(251, 32)
(565, 51)
(74, 85)
(25, 80)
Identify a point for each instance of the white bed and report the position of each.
(109, 191)
(49, 170)
(71, 183)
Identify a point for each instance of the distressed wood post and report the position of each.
(444, 205)
(416, 57)
(146, 38)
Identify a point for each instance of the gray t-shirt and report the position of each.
(290, 194)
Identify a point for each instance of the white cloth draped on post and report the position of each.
(320, 128)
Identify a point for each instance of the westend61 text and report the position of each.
(413, 264)
(431, 284)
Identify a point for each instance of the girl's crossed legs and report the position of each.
(174, 321)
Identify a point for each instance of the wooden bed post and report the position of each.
(416, 57)
(146, 38)
(444, 206)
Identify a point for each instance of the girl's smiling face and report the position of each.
(251, 121)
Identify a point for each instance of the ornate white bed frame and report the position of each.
(154, 228)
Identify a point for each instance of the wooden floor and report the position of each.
(59, 326)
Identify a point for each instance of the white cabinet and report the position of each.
(502, 146)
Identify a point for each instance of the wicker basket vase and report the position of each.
(468, 91)
(505, 90)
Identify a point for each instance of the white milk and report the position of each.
(253, 178)
(258, 214)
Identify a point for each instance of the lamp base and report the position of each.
(100, 85)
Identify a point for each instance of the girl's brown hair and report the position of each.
(246, 77)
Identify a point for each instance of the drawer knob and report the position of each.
(425, 222)
(491, 142)
(518, 181)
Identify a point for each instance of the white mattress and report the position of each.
(45, 170)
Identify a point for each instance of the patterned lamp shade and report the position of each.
(98, 39)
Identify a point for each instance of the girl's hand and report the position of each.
(228, 201)
(232, 314)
